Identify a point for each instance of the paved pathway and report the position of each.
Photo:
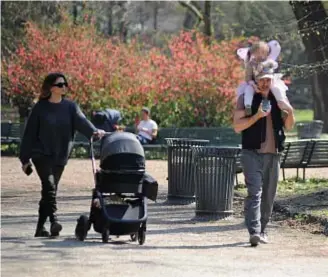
(176, 245)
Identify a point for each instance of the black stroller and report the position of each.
(119, 200)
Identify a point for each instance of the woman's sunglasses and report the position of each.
(60, 85)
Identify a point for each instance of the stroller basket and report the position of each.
(120, 181)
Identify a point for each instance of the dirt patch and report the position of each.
(312, 203)
(308, 225)
(304, 212)
(307, 213)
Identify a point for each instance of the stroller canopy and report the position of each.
(106, 119)
(121, 150)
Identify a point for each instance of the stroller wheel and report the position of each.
(105, 235)
(82, 228)
(142, 234)
(134, 237)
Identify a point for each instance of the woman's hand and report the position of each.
(25, 166)
(99, 133)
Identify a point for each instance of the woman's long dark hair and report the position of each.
(48, 83)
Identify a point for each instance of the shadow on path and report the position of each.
(189, 247)
(199, 229)
(48, 244)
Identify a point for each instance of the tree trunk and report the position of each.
(189, 21)
(207, 21)
(110, 19)
(155, 15)
(318, 106)
(308, 14)
(75, 12)
(123, 25)
(123, 31)
(193, 15)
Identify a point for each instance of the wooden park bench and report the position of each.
(5, 132)
(319, 155)
(296, 155)
(11, 133)
(10, 137)
(304, 154)
(216, 135)
(81, 141)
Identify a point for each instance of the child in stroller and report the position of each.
(119, 199)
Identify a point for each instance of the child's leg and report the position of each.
(278, 92)
(249, 94)
(280, 95)
(248, 99)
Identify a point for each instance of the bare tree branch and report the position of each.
(193, 8)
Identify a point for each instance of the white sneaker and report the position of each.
(264, 238)
(254, 239)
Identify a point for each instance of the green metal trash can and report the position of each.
(181, 187)
(214, 174)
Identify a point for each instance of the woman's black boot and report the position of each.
(40, 230)
(55, 226)
(41, 233)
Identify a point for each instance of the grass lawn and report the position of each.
(303, 115)
(291, 187)
(321, 213)
(300, 115)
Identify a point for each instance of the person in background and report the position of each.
(147, 128)
(48, 141)
(262, 140)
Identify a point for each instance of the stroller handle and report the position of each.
(92, 152)
(96, 136)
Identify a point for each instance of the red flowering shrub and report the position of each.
(185, 84)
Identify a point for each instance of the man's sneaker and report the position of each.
(55, 229)
(264, 238)
(254, 239)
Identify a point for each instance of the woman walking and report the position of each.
(48, 140)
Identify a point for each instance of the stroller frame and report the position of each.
(136, 228)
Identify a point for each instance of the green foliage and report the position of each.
(9, 149)
(293, 187)
(303, 115)
(192, 84)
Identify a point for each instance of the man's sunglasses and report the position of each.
(60, 85)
